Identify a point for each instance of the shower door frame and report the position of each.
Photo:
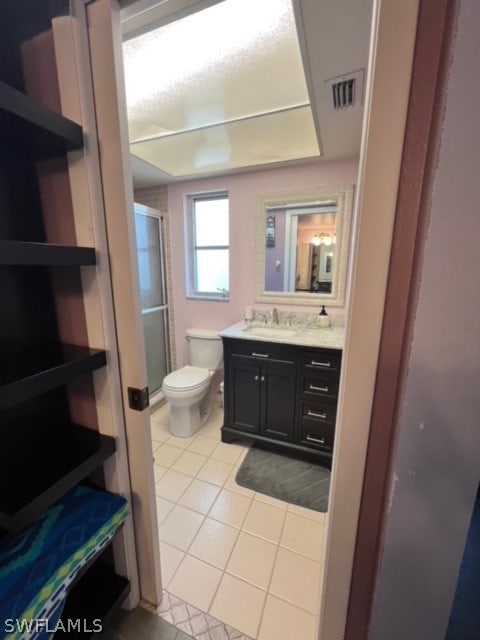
(142, 209)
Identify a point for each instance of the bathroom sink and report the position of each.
(271, 332)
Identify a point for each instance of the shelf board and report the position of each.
(51, 133)
(33, 481)
(29, 374)
(96, 596)
(13, 252)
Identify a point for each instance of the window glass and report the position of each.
(208, 275)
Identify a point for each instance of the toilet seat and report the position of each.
(187, 378)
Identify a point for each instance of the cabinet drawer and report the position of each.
(319, 385)
(317, 435)
(321, 361)
(262, 351)
(315, 413)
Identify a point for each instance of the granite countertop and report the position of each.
(305, 335)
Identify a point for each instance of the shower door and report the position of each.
(151, 268)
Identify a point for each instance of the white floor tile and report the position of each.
(280, 504)
(202, 445)
(283, 621)
(160, 432)
(264, 521)
(199, 496)
(179, 443)
(215, 471)
(195, 582)
(296, 579)
(170, 559)
(172, 485)
(252, 560)
(303, 536)
(161, 415)
(214, 542)
(159, 471)
(232, 485)
(163, 509)
(165, 455)
(189, 463)
(180, 527)
(230, 507)
(308, 513)
(227, 452)
(238, 604)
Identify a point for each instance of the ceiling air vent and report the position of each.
(343, 93)
(346, 91)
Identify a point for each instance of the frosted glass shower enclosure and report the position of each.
(153, 293)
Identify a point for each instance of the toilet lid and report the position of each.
(186, 378)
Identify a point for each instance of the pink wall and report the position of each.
(243, 189)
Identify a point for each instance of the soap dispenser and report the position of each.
(323, 319)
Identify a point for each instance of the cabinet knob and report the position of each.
(262, 378)
(256, 378)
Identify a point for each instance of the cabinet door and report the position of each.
(278, 400)
(244, 395)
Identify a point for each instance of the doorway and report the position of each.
(372, 327)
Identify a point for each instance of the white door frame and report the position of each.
(388, 86)
(105, 40)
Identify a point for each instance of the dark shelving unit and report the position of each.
(17, 253)
(45, 385)
(96, 596)
(36, 371)
(47, 471)
(50, 133)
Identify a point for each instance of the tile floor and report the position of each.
(248, 560)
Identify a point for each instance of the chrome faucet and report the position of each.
(274, 315)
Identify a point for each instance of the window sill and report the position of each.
(210, 298)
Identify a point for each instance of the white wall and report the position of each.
(437, 459)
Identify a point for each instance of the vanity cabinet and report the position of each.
(281, 394)
(261, 389)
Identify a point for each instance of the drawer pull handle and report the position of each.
(316, 415)
(321, 364)
(259, 355)
(316, 440)
(314, 388)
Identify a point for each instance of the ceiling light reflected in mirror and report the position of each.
(219, 90)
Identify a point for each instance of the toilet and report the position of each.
(186, 389)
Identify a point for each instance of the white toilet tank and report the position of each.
(205, 349)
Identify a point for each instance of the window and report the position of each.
(208, 257)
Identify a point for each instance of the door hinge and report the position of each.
(138, 399)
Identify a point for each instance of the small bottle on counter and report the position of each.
(323, 319)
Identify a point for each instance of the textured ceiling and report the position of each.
(220, 89)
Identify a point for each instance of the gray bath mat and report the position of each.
(295, 481)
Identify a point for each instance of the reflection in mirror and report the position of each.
(302, 246)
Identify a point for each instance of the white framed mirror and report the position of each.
(302, 246)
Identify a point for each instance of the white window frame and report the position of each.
(190, 248)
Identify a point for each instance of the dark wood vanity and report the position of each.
(281, 394)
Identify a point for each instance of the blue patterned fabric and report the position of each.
(39, 564)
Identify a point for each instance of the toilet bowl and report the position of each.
(186, 389)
